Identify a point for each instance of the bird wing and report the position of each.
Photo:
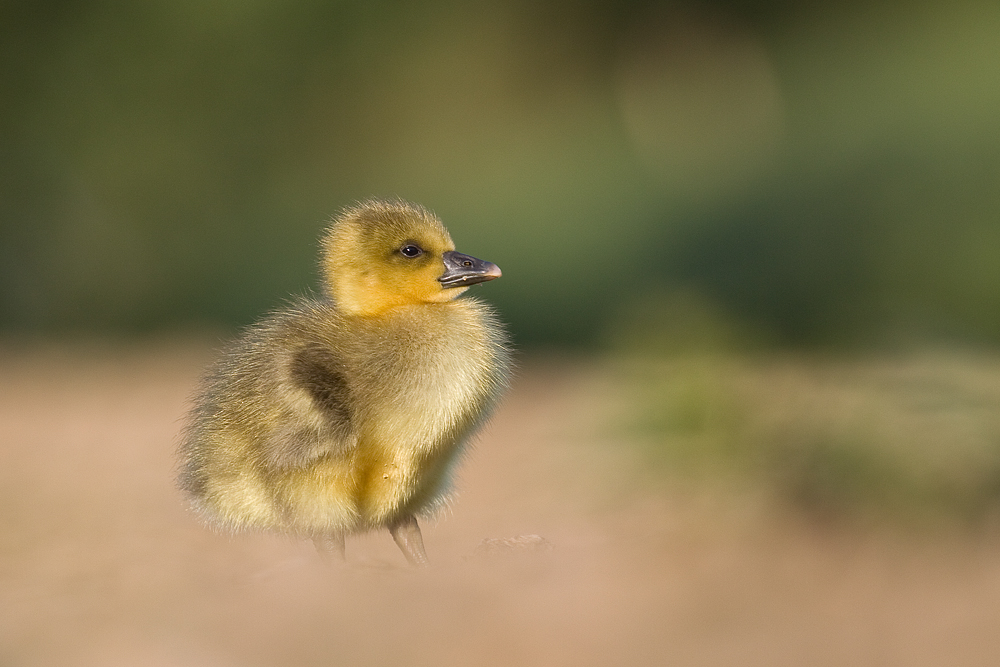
(316, 417)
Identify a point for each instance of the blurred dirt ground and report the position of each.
(102, 565)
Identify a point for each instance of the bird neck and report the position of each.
(359, 299)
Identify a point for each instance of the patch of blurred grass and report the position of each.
(913, 439)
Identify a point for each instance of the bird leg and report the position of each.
(406, 533)
(330, 546)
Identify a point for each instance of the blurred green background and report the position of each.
(804, 173)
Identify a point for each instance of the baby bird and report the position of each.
(348, 413)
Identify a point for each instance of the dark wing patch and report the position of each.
(294, 443)
(317, 371)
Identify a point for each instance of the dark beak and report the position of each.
(462, 270)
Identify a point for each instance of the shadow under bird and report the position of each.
(348, 412)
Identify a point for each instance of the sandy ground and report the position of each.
(101, 564)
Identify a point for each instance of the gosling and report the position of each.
(348, 412)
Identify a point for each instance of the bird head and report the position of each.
(384, 254)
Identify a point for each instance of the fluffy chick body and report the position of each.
(340, 415)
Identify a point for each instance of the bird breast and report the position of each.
(426, 374)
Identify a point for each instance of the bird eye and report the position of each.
(409, 250)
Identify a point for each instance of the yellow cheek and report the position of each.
(423, 286)
(370, 294)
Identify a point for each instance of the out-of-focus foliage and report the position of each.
(807, 172)
(912, 439)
